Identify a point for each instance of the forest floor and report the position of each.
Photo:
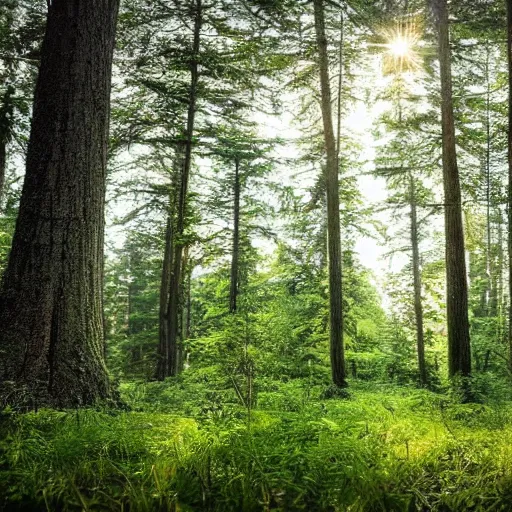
(181, 447)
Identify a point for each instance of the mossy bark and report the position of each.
(51, 320)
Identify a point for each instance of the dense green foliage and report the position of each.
(397, 449)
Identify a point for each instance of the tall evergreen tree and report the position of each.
(333, 205)
(51, 318)
(459, 349)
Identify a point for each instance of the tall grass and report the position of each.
(392, 450)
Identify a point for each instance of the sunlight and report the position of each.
(400, 47)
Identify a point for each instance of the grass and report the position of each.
(183, 447)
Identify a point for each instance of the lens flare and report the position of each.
(400, 47)
(402, 43)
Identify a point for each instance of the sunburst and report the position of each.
(403, 47)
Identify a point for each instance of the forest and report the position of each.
(256, 255)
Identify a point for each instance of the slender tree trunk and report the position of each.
(418, 306)
(459, 349)
(333, 207)
(3, 168)
(509, 201)
(51, 328)
(6, 122)
(188, 304)
(499, 286)
(174, 288)
(167, 266)
(340, 90)
(490, 293)
(185, 264)
(233, 291)
(165, 283)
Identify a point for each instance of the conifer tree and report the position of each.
(459, 349)
(51, 318)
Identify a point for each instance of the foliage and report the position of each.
(395, 449)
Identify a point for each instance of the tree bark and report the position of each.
(490, 293)
(165, 282)
(418, 306)
(333, 207)
(233, 291)
(185, 264)
(51, 328)
(509, 197)
(3, 168)
(188, 304)
(459, 349)
(499, 283)
(174, 289)
(6, 121)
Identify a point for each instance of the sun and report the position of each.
(399, 47)
(402, 45)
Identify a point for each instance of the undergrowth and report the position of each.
(393, 449)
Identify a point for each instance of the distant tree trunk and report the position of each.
(499, 285)
(233, 291)
(490, 292)
(181, 309)
(333, 207)
(165, 283)
(3, 168)
(459, 349)
(418, 306)
(187, 302)
(185, 308)
(509, 205)
(6, 121)
(340, 90)
(174, 289)
(51, 328)
(167, 266)
(188, 307)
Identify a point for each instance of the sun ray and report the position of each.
(402, 45)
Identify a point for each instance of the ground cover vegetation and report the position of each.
(256, 255)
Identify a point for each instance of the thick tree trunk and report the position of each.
(333, 207)
(418, 306)
(459, 349)
(51, 328)
(509, 201)
(174, 289)
(233, 291)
